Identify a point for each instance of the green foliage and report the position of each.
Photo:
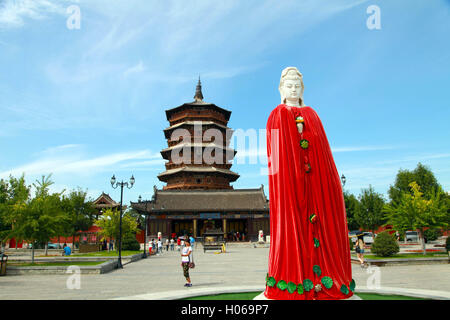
(130, 243)
(351, 244)
(12, 192)
(415, 212)
(39, 219)
(432, 234)
(79, 210)
(352, 206)
(109, 224)
(447, 244)
(370, 214)
(422, 175)
(385, 245)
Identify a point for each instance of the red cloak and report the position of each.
(309, 244)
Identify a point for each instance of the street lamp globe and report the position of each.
(343, 179)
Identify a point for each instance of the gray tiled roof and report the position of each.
(226, 200)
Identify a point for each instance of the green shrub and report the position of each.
(447, 244)
(351, 244)
(385, 245)
(432, 234)
(130, 243)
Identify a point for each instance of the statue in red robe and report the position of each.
(309, 246)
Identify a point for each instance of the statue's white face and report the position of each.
(291, 90)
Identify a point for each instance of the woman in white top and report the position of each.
(185, 260)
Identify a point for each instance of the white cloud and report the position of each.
(71, 159)
(362, 148)
(13, 13)
(138, 68)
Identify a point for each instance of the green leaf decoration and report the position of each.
(344, 289)
(300, 289)
(291, 287)
(271, 282)
(327, 282)
(352, 285)
(308, 284)
(316, 242)
(317, 270)
(304, 144)
(282, 285)
(307, 168)
(313, 218)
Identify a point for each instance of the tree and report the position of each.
(12, 192)
(422, 175)
(79, 210)
(414, 212)
(39, 219)
(109, 224)
(370, 215)
(5, 227)
(352, 207)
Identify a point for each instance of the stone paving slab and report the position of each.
(241, 266)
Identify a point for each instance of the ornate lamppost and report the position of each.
(129, 185)
(146, 223)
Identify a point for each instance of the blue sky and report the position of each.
(87, 103)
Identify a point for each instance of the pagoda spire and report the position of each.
(198, 91)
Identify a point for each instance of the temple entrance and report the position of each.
(210, 224)
(237, 230)
(182, 227)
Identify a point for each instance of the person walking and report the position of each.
(186, 254)
(167, 245)
(154, 246)
(159, 246)
(178, 244)
(172, 244)
(360, 249)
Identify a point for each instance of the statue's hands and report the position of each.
(300, 127)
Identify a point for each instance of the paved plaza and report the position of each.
(161, 277)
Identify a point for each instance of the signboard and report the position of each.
(209, 215)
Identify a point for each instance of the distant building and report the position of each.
(105, 202)
(198, 195)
